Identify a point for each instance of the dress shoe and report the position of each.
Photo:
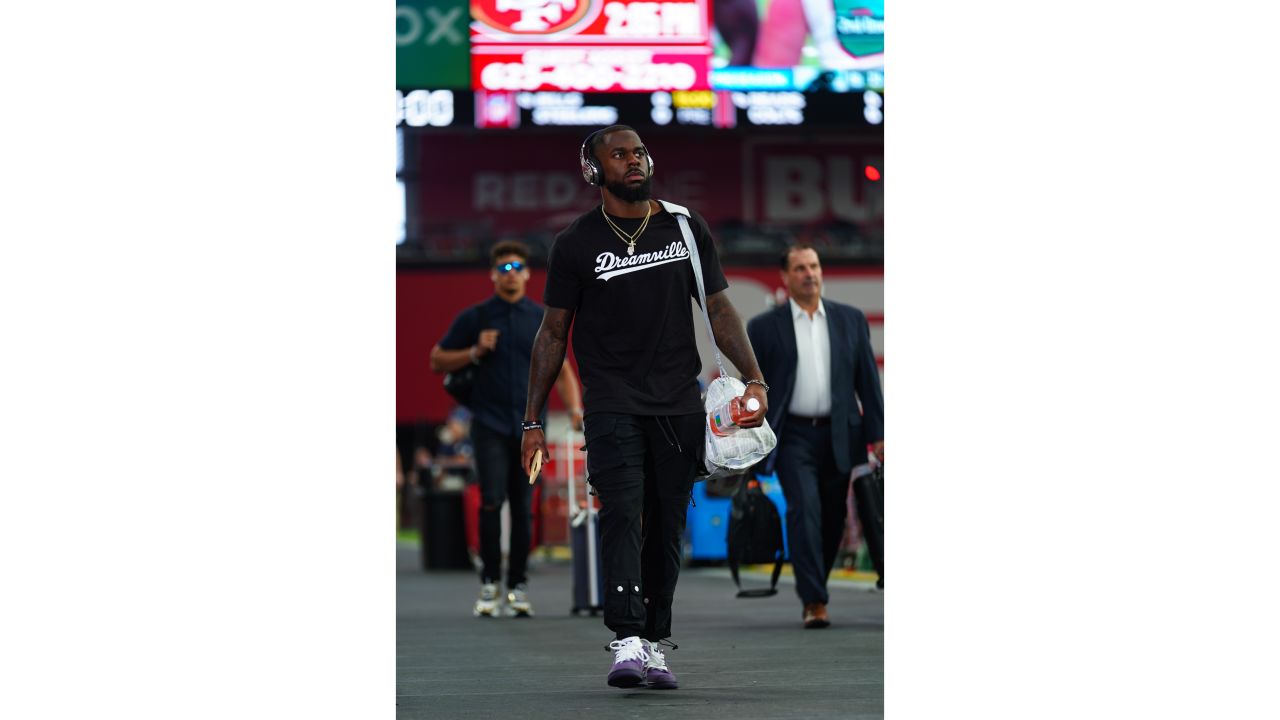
(815, 615)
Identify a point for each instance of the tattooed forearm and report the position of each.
(548, 357)
(731, 336)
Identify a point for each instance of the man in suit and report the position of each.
(826, 408)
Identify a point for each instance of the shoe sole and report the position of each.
(816, 624)
(485, 612)
(626, 681)
(664, 686)
(519, 613)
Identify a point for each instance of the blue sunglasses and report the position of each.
(505, 268)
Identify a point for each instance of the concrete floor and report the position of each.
(738, 658)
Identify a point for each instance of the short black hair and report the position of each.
(784, 262)
(598, 137)
(508, 247)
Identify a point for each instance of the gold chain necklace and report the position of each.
(629, 238)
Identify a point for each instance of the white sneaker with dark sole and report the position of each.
(518, 604)
(487, 603)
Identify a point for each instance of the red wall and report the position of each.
(513, 184)
(428, 300)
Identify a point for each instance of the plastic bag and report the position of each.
(732, 454)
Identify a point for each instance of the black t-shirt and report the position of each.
(633, 327)
(502, 380)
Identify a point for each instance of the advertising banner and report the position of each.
(595, 69)
(518, 184)
(590, 45)
(513, 184)
(794, 183)
(432, 44)
(609, 22)
(860, 28)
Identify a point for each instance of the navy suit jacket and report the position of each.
(853, 373)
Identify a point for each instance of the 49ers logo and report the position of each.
(534, 17)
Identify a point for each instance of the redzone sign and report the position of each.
(590, 45)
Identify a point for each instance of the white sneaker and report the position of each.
(487, 603)
(630, 656)
(518, 604)
(656, 672)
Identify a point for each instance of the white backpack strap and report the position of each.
(682, 218)
(675, 209)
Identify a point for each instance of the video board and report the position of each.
(490, 110)
(590, 45)
(640, 46)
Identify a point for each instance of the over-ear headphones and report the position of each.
(591, 171)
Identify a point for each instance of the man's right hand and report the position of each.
(487, 343)
(533, 441)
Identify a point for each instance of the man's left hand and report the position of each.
(878, 449)
(755, 419)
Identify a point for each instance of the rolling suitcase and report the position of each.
(584, 539)
(441, 530)
(868, 492)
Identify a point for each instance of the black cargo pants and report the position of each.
(643, 469)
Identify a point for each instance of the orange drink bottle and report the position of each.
(724, 420)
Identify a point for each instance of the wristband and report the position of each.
(526, 426)
(761, 383)
(474, 359)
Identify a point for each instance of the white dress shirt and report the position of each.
(812, 394)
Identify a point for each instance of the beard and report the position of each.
(631, 194)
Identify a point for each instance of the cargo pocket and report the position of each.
(596, 427)
(612, 441)
(624, 602)
(602, 452)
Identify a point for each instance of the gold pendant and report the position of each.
(631, 249)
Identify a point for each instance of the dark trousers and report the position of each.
(502, 479)
(816, 505)
(643, 468)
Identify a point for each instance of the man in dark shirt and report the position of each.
(497, 336)
(622, 276)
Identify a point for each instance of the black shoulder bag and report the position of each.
(460, 383)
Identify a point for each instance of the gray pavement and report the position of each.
(739, 658)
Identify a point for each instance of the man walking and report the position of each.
(497, 336)
(622, 276)
(818, 356)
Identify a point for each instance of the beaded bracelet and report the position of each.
(761, 383)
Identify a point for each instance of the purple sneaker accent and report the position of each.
(656, 672)
(629, 661)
